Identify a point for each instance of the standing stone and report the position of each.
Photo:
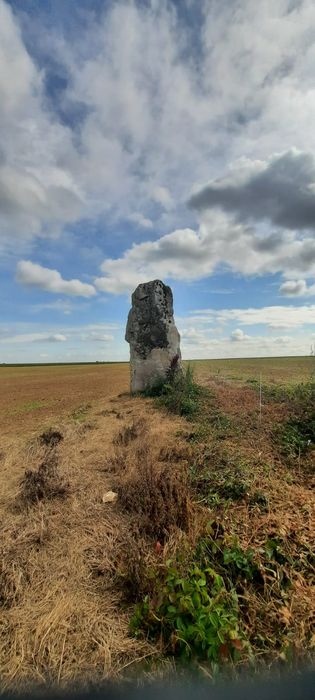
(152, 334)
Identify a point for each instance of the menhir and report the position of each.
(153, 337)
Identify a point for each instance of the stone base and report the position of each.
(154, 369)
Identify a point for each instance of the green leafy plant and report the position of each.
(195, 615)
(239, 562)
(234, 563)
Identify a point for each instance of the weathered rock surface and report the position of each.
(152, 335)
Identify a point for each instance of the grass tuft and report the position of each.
(44, 483)
(159, 498)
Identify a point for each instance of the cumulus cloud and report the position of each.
(297, 288)
(200, 341)
(196, 337)
(246, 87)
(208, 337)
(238, 335)
(255, 346)
(166, 257)
(38, 191)
(186, 254)
(33, 275)
(281, 190)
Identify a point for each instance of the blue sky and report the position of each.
(150, 139)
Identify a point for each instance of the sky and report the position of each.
(154, 139)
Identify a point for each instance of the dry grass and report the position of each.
(43, 483)
(157, 497)
(130, 432)
(68, 564)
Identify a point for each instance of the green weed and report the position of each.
(229, 559)
(179, 395)
(213, 479)
(195, 616)
(297, 435)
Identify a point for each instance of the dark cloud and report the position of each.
(268, 244)
(293, 288)
(282, 192)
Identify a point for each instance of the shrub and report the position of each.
(158, 498)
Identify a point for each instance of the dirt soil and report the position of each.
(33, 396)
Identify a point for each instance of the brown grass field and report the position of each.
(72, 564)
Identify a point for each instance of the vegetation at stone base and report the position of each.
(179, 394)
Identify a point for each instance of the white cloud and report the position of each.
(297, 288)
(246, 88)
(238, 336)
(186, 254)
(141, 220)
(166, 257)
(28, 342)
(191, 336)
(203, 344)
(98, 337)
(271, 316)
(34, 338)
(33, 275)
(38, 191)
(64, 306)
(162, 196)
